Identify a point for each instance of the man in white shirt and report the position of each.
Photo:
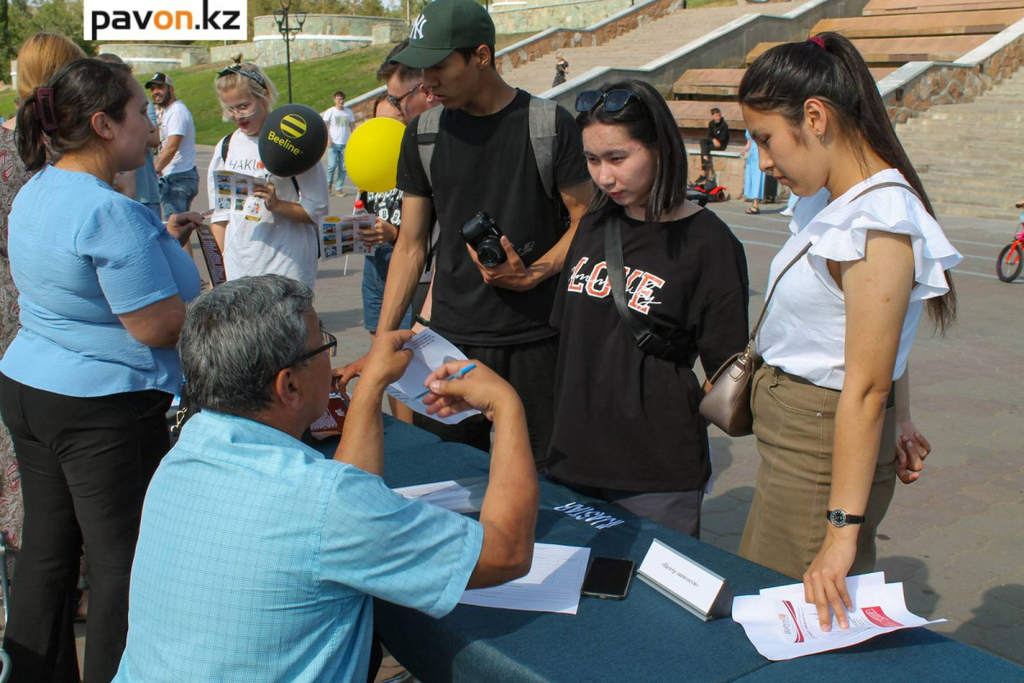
(340, 120)
(176, 163)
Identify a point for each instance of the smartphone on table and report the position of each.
(608, 578)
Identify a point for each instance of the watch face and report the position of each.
(838, 517)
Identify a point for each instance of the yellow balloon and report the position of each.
(371, 155)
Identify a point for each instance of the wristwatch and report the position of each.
(840, 518)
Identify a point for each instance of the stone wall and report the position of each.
(554, 39)
(145, 57)
(322, 35)
(917, 86)
(569, 15)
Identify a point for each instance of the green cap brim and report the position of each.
(421, 57)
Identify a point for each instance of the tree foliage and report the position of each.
(54, 16)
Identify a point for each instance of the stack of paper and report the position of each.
(444, 494)
(782, 626)
(553, 584)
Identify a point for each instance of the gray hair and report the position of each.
(238, 336)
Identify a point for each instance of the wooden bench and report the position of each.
(890, 7)
(714, 83)
(902, 50)
(909, 25)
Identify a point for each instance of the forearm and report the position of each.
(362, 438)
(509, 511)
(403, 275)
(164, 158)
(292, 211)
(858, 432)
(551, 262)
(219, 230)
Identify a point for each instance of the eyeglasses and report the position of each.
(330, 345)
(243, 111)
(614, 100)
(249, 73)
(396, 102)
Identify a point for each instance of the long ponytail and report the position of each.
(29, 134)
(830, 68)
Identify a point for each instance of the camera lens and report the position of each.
(491, 255)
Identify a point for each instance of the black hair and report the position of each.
(80, 89)
(340, 93)
(716, 110)
(828, 67)
(468, 52)
(405, 73)
(648, 120)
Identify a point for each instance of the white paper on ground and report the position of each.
(782, 626)
(553, 584)
(429, 352)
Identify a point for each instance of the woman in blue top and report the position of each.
(85, 385)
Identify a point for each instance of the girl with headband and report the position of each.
(831, 402)
(626, 427)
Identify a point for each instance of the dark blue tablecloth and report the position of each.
(645, 637)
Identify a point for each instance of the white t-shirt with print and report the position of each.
(274, 245)
(177, 120)
(339, 124)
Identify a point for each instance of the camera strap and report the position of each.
(646, 340)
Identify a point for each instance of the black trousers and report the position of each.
(85, 464)
(530, 369)
(706, 147)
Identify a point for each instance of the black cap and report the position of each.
(162, 79)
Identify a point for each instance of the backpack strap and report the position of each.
(543, 114)
(426, 137)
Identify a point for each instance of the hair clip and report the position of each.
(817, 40)
(44, 111)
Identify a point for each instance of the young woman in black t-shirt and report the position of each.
(627, 428)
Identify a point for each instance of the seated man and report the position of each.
(717, 139)
(257, 556)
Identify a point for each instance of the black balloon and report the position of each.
(293, 140)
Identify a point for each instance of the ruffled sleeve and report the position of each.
(839, 233)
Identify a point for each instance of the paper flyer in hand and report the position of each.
(429, 352)
(782, 626)
(234, 193)
(339, 235)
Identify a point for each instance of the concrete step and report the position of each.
(955, 184)
(953, 176)
(953, 209)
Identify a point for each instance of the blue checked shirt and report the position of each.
(257, 558)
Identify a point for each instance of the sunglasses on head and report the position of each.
(614, 100)
(254, 75)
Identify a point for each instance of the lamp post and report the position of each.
(288, 32)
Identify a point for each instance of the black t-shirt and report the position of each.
(625, 419)
(486, 163)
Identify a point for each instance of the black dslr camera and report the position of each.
(484, 235)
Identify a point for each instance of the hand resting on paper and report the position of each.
(480, 388)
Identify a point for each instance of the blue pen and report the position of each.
(457, 375)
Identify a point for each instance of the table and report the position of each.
(645, 637)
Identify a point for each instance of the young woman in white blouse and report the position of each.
(830, 403)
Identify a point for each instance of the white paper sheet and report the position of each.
(444, 494)
(782, 626)
(553, 584)
(429, 352)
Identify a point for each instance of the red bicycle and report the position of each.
(1011, 258)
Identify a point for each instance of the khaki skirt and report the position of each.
(794, 422)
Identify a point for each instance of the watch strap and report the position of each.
(847, 517)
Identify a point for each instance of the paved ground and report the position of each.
(955, 537)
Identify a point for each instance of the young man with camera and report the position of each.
(484, 158)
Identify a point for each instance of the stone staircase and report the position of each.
(640, 46)
(971, 156)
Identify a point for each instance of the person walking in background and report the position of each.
(626, 427)
(561, 69)
(86, 384)
(39, 58)
(176, 163)
(831, 403)
(753, 178)
(717, 140)
(340, 120)
(284, 239)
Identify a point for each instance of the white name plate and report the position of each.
(693, 586)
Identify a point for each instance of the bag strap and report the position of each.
(764, 308)
(426, 137)
(542, 119)
(648, 341)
